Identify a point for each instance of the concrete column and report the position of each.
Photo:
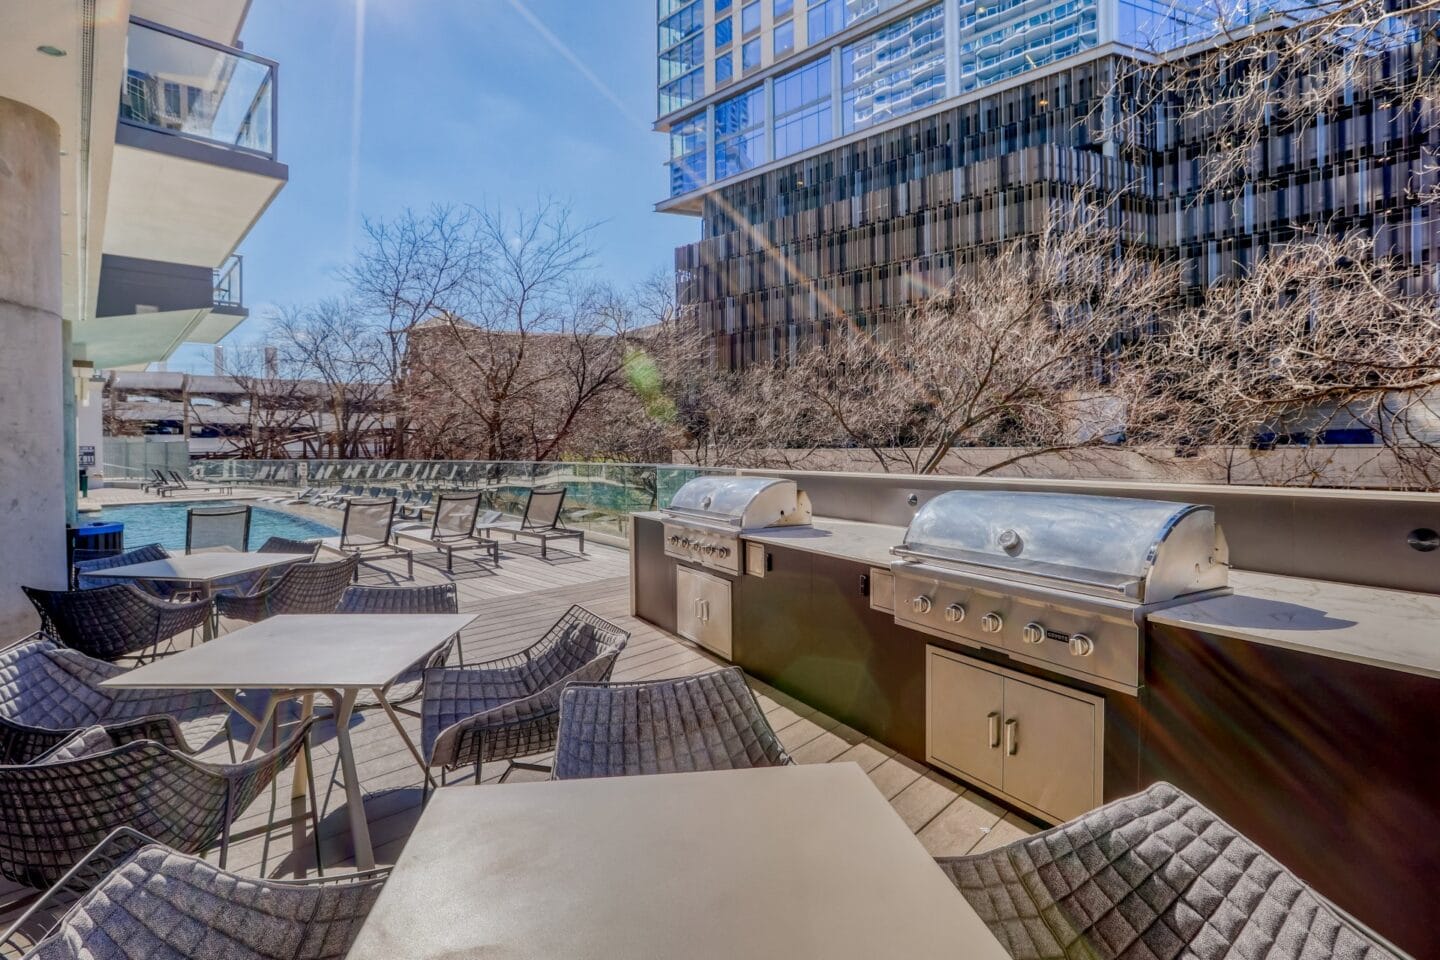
(33, 379)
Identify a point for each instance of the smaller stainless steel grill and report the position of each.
(1057, 580)
(708, 515)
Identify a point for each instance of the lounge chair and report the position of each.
(160, 485)
(1152, 875)
(113, 622)
(365, 533)
(48, 692)
(178, 482)
(706, 722)
(212, 528)
(130, 896)
(509, 708)
(303, 588)
(541, 520)
(414, 508)
(57, 808)
(453, 529)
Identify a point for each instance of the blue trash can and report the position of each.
(97, 540)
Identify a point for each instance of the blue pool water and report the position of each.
(164, 523)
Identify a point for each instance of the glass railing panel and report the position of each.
(197, 89)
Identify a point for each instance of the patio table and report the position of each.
(288, 656)
(806, 861)
(204, 570)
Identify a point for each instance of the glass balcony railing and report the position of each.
(194, 88)
(230, 282)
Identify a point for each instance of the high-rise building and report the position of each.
(845, 157)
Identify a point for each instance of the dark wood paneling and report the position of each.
(654, 575)
(1331, 767)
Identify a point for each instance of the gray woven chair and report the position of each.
(1153, 875)
(303, 588)
(509, 708)
(85, 573)
(55, 809)
(214, 528)
(132, 899)
(365, 532)
(286, 545)
(109, 623)
(400, 601)
(48, 693)
(706, 722)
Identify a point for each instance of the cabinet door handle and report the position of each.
(994, 723)
(704, 611)
(697, 609)
(1011, 727)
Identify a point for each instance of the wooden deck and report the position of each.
(515, 605)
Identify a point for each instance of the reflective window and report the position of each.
(803, 108)
(750, 17)
(831, 16)
(724, 32)
(679, 26)
(896, 69)
(780, 8)
(1004, 38)
(750, 55)
(724, 67)
(668, 7)
(682, 92)
(687, 155)
(722, 5)
(740, 133)
(784, 37)
(682, 58)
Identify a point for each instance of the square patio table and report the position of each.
(804, 861)
(336, 655)
(204, 570)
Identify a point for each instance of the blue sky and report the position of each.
(463, 101)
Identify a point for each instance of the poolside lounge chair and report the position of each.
(160, 485)
(130, 897)
(1152, 875)
(453, 529)
(178, 482)
(509, 708)
(706, 722)
(210, 528)
(541, 520)
(86, 574)
(414, 508)
(48, 692)
(302, 588)
(57, 808)
(112, 622)
(365, 532)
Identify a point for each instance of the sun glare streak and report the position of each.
(574, 60)
(357, 99)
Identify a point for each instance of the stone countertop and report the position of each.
(847, 539)
(1391, 629)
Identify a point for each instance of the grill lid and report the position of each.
(744, 503)
(1145, 550)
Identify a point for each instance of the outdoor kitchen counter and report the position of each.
(847, 539)
(1391, 629)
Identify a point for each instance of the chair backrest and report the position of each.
(367, 522)
(437, 598)
(145, 554)
(706, 722)
(542, 508)
(43, 685)
(179, 480)
(578, 639)
(286, 545)
(311, 587)
(455, 515)
(106, 623)
(207, 528)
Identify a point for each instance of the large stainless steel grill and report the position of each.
(707, 516)
(1056, 580)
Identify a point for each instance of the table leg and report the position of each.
(298, 786)
(265, 720)
(234, 704)
(414, 751)
(212, 617)
(343, 704)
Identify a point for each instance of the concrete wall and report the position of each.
(32, 376)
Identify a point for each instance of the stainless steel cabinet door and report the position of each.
(964, 726)
(702, 610)
(1050, 750)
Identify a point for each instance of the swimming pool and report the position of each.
(164, 523)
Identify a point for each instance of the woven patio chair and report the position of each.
(303, 588)
(509, 708)
(133, 899)
(402, 601)
(56, 808)
(453, 529)
(365, 532)
(213, 528)
(1152, 875)
(109, 623)
(286, 545)
(540, 520)
(85, 574)
(706, 722)
(48, 692)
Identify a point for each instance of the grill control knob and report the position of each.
(724, 551)
(992, 623)
(955, 613)
(1081, 645)
(921, 604)
(1033, 633)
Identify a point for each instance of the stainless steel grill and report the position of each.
(708, 515)
(1060, 581)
